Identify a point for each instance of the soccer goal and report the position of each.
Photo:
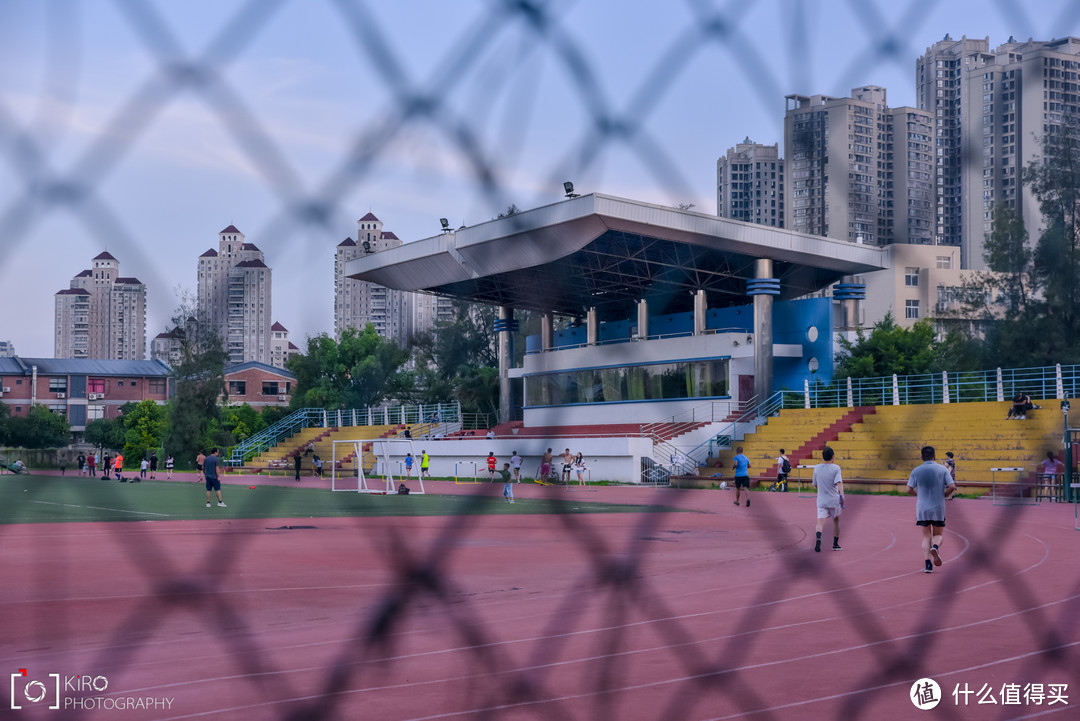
(367, 465)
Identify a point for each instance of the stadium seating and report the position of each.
(323, 446)
(799, 431)
(885, 445)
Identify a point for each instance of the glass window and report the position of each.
(95, 385)
(911, 309)
(944, 262)
(95, 412)
(661, 381)
(270, 388)
(911, 277)
(156, 386)
(57, 385)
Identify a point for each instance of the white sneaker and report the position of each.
(208, 504)
(220, 504)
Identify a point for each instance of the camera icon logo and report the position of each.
(25, 689)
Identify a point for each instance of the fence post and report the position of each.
(945, 386)
(850, 394)
(1000, 387)
(1060, 385)
(895, 391)
(806, 395)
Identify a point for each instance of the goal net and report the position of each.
(375, 465)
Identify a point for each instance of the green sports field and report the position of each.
(54, 499)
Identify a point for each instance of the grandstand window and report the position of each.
(911, 309)
(664, 381)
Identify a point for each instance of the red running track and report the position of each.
(716, 613)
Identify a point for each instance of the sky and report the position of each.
(145, 128)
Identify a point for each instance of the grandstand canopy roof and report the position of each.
(607, 252)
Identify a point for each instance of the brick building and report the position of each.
(258, 385)
(81, 389)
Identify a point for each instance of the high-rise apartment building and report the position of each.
(750, 184)
(281, 348)
(101, 315)
(941, 82)
(858, 170)
(357, 303)
(1015, 97)
(234, 297)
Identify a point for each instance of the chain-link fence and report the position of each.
(458, 102)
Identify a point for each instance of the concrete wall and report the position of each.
(607, 459)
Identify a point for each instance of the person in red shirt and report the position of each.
(491, 463)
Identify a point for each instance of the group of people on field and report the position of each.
(931, 482)
(87, 465)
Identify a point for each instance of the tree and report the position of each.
(40, 428)
(1008, 256)
(890, 348)
(145, 424)
(241, 422)
(105, 433)
(362, 369)
(199, 379)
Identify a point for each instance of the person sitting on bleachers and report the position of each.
(1021, 404)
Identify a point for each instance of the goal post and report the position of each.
(367, 465)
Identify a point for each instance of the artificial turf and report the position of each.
(55, 499)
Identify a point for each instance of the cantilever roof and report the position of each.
(607, 252)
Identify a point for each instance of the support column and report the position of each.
(762, 289)
(505, 326)
(643, 319)
(547, 333)
(700, 309)
(849, 293)
(592, 326)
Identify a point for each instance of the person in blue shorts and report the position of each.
(210, 472)
(742, 475)
(932, 485)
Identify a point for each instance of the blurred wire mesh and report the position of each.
(496, 48)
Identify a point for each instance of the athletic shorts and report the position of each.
(198, 467)
(566, 467)
(935, 524)
(828, 511)
(545, 469)
(742, 481)
(213, 484)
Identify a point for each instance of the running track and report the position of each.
(716, 613)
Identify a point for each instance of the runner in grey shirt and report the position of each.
(830, 499)
(932, 484)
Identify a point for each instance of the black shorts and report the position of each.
(213, 484)
(742, 481)
(935, 524)
(198, 467)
